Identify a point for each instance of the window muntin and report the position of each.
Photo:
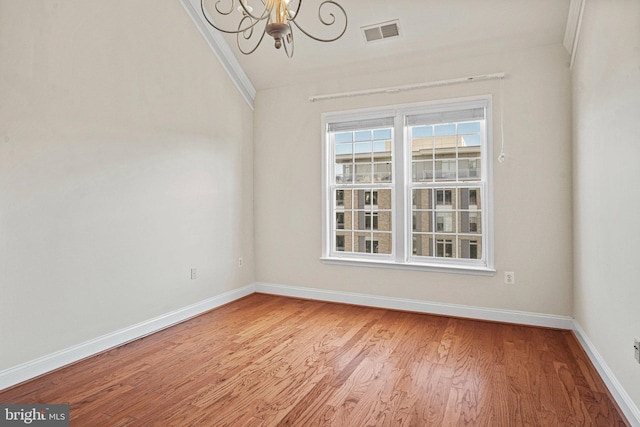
(449, 147)
(365, 215)
(432, 212)
(451, 214)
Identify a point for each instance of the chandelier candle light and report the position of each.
(275, 18)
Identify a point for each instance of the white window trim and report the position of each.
(402, 256)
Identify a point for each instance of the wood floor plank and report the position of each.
(274, 361)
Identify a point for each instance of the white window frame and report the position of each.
(401, 210)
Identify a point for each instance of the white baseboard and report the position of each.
(42, 365)
(456, 310)
(622, 398)
(37, 367)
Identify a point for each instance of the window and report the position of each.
(371, 220)
(444, 248)
(371, 198)
(409, 186)
(443, 197)
(473, 197)
(473, 249)
(371, 246)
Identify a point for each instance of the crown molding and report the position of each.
(572, 31)
(223, 52)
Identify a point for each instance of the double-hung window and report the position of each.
(410, 187)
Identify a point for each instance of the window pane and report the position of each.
(370, 198)
(359, 198)
(363, 147)
(470, 222)
(445, 246)
(470, 248)
(363, 151)
(344, 137)
(344, 158)
(383, 221)
(362, 242)
(343, 242)
(382, 172)
(421, 131)
(381, 151)
(422, 148)
(382, 243)
(445, 130)
(339, 220)
(445, 198)
(382, 198)
(363, 135)
(361, 220)
(343, 174)
(422, 244)
(347, 220)
(444, 222)
(382, 134)
(421, 221)
(422, 171)
(472, 140)
(445, 170)
(371, 220)
(363, 172)
(469, 198)
(469, 169)
(344, 151)
(422, 199)
(470, 127)
(348, 199)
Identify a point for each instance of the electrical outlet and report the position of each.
(193, 274)
(509, 278)
(636, 349)
(240, 262)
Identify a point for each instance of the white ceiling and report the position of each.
(431, 31)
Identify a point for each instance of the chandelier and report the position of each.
(250, 20)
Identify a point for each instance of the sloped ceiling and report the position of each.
(431, 31)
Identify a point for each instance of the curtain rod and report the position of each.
(396, 89)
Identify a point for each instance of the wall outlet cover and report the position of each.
(509, 277)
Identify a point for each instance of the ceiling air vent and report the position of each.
(381, 31)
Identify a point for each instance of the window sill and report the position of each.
(451, 269)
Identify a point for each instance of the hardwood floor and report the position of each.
(274, 361)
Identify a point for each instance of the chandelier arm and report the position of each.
(248, 52)
(289, 41)
(292, 17)
(326, 22)
(265, 12)
(239, 30)
(282, 29)
(221, 12)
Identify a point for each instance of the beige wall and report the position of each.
(125, 160)
(533, 234)
(606, 93)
